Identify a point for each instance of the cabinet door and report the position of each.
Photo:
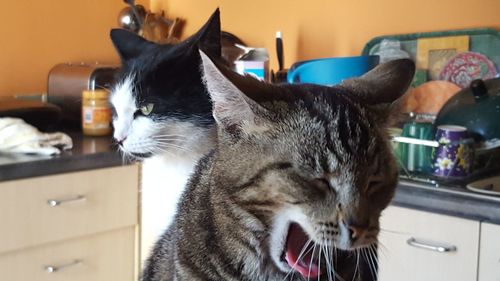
(106, 256)
(47, 209)
(489, 253)
(419, 245)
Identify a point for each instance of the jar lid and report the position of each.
(95, 94)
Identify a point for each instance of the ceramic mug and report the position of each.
(416, 157)
(454, 156)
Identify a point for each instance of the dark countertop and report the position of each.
(87, 153)
(447, 200)
(98, 152)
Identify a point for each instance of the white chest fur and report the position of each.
(163, 182)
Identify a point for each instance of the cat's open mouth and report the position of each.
(301, 254)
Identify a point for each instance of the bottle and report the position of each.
(96, 113)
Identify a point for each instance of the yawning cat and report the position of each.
(295, 186)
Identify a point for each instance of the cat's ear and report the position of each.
(209, 35)
(128, 44)
(382, 87)
(232, 109)
(385, 83)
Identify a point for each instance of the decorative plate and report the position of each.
(468, 66)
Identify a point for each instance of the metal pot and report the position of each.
(477, 108)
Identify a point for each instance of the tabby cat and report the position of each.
(295, 186)
(160, 103)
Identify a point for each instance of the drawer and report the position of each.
(414, 245)
(99, 257)
(489, 254)
(107, 199)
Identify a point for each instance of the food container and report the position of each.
(96, 113)
(255, 62)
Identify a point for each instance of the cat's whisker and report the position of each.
(374, 255)
(368, 262)
(302, 252)
(166, 144)
(123, 157)
(175, 147)
(169, 141)
(170, 135)
(166, 141)
(168, 138)
(373, 262)
(159, 148)
(319, 260)
(394, 231)
(328, 262)
(335, 274)
(332, 250)
(383, 249)
(310, 263)
(357, 265)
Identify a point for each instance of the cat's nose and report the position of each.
(355, 231)
(120, 141)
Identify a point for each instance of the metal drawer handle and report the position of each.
(56, 268)
(57, 202)
(425, 245)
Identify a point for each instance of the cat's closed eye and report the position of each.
(374, 184)
(323, 184)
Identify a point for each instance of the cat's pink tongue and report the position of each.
(306, 266)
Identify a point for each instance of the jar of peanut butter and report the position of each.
(96, 113)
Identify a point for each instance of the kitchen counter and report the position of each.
(98, 152)
(87, 153)
(447, 200)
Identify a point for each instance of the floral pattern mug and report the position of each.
(454, 156)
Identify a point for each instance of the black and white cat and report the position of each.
(160, 103)
(162, 114)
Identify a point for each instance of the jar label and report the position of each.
(96, 117)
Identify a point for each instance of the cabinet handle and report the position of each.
(57, 202)
(425, 245)
(56, 268)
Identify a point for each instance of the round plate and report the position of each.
(429, 97)
(490, 186)
(468, 66)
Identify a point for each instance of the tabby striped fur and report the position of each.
(309, 156)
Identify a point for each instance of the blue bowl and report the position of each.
(330, 71)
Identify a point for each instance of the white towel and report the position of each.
(16, 136)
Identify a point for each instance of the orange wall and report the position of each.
(323, 28)
(38, 34)
(35, 35)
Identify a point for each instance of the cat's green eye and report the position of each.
(147, 109)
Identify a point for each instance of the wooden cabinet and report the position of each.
(97, 257)
(82, 224)
(489, 253)
(419, 245)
